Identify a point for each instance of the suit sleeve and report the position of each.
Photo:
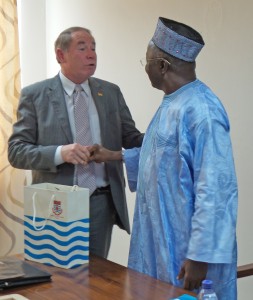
(25, 151)
(131, 136)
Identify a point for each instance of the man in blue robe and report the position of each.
(184, 227)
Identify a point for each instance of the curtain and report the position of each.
(12, 180)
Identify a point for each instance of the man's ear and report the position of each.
(164, 66)
(59, 55)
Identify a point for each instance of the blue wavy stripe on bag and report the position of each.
(59, 261)
(60, 223)
(58, 232)
(61, 243)
(56, 250)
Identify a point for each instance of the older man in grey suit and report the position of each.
(44, 136)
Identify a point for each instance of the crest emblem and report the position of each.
(57, 209)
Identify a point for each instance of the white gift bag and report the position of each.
(56, 224)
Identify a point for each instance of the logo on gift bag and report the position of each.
(57, 209)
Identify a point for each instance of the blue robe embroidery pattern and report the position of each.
(186, 205)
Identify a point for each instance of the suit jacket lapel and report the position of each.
(57, 98)
(99, 97)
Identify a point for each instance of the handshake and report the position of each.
(79, 154)
(100, 154)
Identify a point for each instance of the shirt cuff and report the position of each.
(57, 157)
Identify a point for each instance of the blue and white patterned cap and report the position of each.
(175, 44)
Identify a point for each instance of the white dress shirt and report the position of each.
(69, 86)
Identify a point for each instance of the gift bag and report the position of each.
(56, 224)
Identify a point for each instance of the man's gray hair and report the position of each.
(64, 39)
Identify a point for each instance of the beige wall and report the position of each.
(122, 30)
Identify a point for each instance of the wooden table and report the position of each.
(100, 280)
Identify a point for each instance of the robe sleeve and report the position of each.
(131, 158)
(213, 224)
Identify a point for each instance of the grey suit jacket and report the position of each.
(43, 125)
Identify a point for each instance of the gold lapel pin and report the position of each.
(100, 94)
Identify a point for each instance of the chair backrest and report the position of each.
(244, 270)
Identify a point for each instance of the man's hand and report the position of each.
(100, 154)
(193, 273)
(75, 154)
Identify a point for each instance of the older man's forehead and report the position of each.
(83, 35)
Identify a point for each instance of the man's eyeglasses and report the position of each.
(144, 60)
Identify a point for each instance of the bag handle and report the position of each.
(74, 188)
(34, 212)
